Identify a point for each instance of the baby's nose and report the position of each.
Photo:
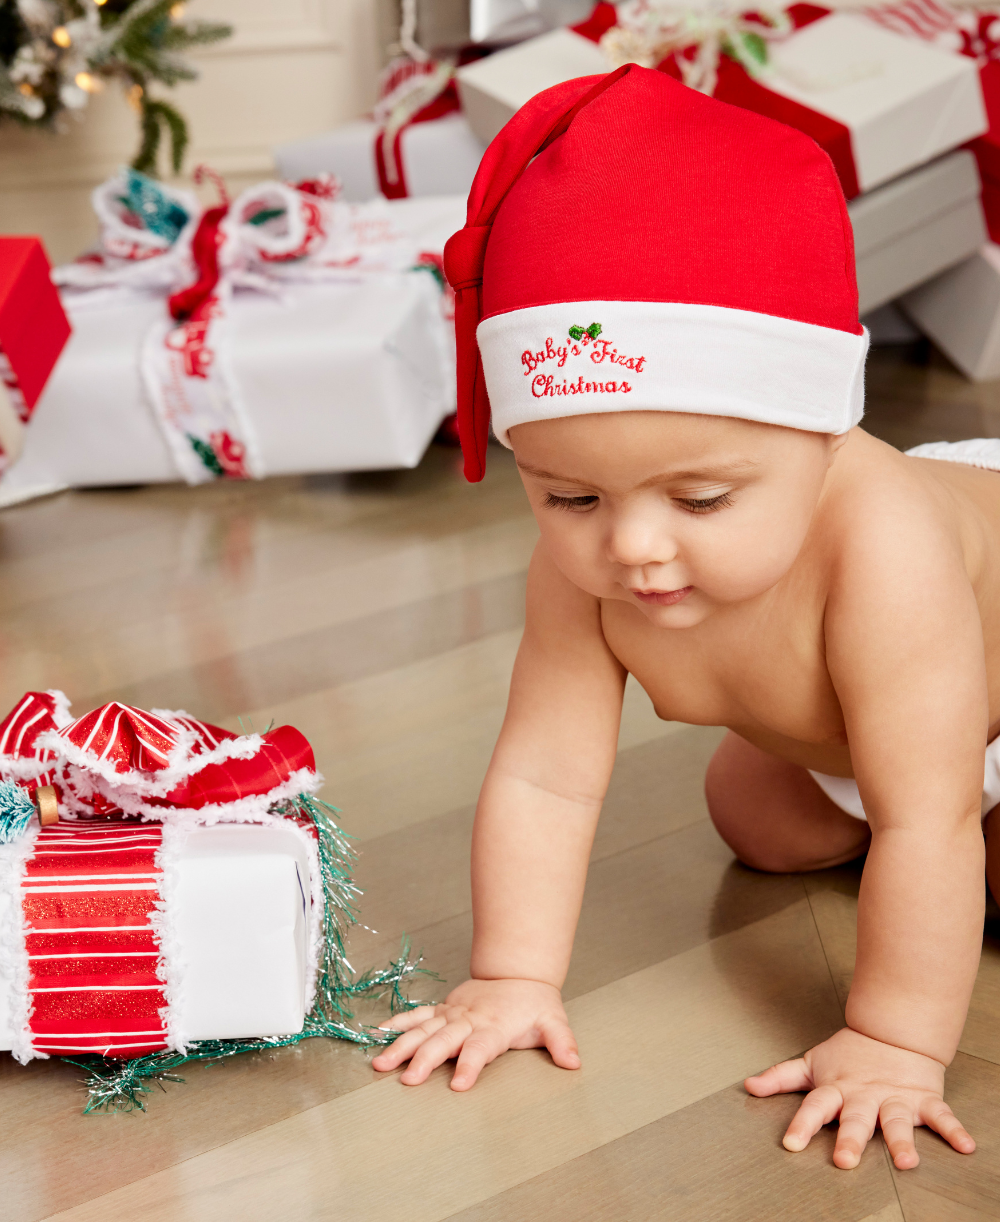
(635, 542)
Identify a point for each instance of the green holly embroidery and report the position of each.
(206, 454)
(577, 333)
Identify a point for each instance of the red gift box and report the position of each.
(33, 326)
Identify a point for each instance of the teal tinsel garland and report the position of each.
(114, 1085)
(16, 810)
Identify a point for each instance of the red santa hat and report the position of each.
(634, 245)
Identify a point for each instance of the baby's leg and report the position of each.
(774, 816)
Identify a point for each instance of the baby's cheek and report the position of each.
(745, 564)
(577, 554)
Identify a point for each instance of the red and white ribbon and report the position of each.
(270, 237)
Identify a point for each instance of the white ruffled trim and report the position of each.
(171, 966)
(61, 715)
(14, 965)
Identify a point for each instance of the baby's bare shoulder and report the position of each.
(890, 517)
(906, 554)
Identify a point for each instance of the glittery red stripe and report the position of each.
(76, 908)
(129, 1010)
(113, 1052)
(113, 970)
(95, 980)
(133, 861)
(96, 943)
(120, 1028)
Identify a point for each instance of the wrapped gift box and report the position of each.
(913, 228)
(901, 101)
(33, 332)
(440, 157)
(960, 311)
(239, 918)
(493, 89)
(333, 377)
(904, 102)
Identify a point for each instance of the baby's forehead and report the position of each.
(672, 436)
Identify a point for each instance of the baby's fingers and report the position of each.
(788, 1076)
(435, 1051)
(818, 1108)
(896, 1118)
(485, 1044)
(857, 1127)
(408, 1019)
(403, 1048)
(937, 1115)
(561, 1043)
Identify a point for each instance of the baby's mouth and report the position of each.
(662, 598)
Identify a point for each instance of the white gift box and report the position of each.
(492, 89)
(960, 312)
(440, 157)
(239, 918)
(911, 229)
(904, 102)
(333, 377)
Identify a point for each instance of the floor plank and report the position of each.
(381, 613)
(651, 1044)
(718, 1160)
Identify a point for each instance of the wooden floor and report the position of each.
(380, 614)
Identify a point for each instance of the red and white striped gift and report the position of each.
(91, 958)
(88, 897)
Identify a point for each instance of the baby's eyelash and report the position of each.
(568, 502)
(713, 502)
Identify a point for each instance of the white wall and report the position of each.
(293, 68)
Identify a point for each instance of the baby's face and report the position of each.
(679, 515)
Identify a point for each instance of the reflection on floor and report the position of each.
(380, 614)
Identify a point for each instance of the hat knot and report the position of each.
(464, 253)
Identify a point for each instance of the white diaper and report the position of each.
(843, 790)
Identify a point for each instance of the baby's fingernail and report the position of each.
(795, 1144)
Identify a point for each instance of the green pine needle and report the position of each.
(140, 44)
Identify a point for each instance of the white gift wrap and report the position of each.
(904, 102)
(333, 377)
(492, 89)
(440, 157)
(960, 311)
(915, 227)
(238, 917)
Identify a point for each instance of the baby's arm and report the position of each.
(535, 824)
(905, 652)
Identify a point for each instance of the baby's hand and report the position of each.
(864, 1082)
(480, 1020)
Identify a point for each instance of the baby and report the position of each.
(658, 292)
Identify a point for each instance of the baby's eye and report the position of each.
(705, 506)
(568, 502)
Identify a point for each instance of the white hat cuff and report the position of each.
(580, 357)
